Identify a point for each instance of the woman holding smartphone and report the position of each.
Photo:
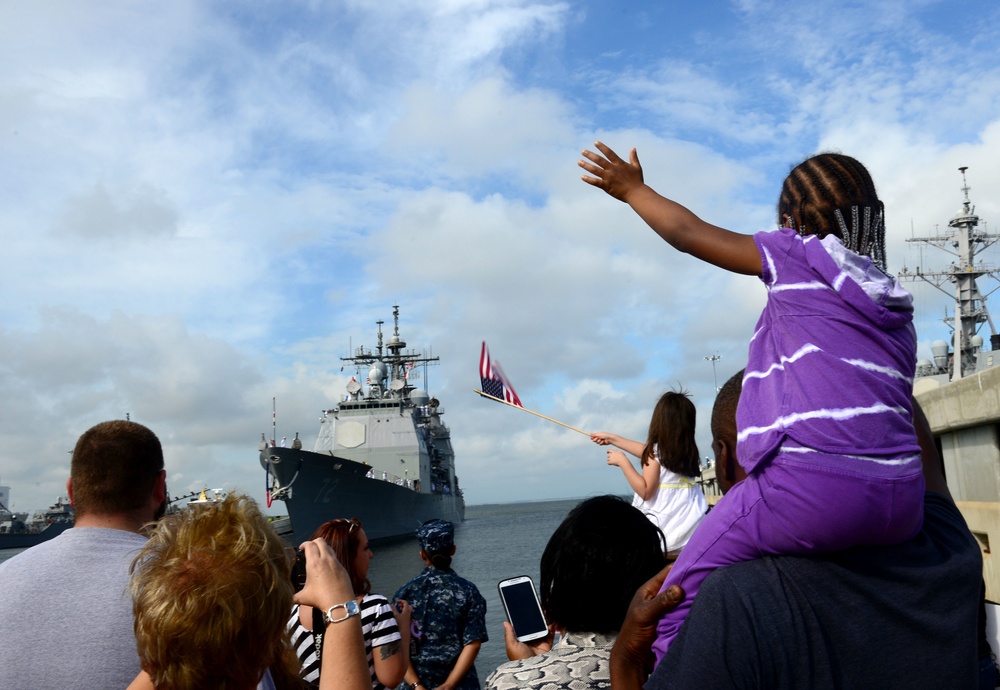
(593, 564)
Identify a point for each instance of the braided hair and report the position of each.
(833, 194)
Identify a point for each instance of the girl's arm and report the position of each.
(603, 438)
(645, 484)
(681, 228)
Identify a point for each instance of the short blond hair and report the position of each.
(211, 595)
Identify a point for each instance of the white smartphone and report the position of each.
(523, 609)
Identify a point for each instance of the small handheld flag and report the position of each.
(497, 387)
(495, 384)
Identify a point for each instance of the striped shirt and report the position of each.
(377, 624)
(830, 370)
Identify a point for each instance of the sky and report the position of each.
(205, 205)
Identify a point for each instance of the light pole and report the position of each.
(713, 359)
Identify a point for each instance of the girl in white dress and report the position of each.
(665, 490)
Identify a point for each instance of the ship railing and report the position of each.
(382, 475)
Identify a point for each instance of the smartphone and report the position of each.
(523, 610)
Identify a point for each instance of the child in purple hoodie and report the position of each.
(825, 429)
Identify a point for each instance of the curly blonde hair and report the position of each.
(211, 596)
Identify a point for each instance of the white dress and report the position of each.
(676, 508)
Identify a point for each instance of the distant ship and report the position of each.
(382, 454)
(18, 531)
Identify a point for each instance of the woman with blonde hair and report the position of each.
(211, 592)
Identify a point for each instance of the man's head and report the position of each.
(211, 594)
(594, 561)
(117, 467)
(728, 470)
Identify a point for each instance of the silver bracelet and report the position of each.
(351, 608)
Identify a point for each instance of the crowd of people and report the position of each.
(835, 559)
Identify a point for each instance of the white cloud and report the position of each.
(203, 208)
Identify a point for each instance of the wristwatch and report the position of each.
(351, 608)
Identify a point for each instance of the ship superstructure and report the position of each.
(382, 454)
(965, 241)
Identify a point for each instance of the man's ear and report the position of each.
(160, 488)
(725, 465)
(69, 489)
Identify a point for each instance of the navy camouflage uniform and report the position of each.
(448, 608)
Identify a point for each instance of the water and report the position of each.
(9, 553)
(495, 542)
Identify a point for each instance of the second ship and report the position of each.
(382, 454)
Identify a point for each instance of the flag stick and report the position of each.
(525, 409)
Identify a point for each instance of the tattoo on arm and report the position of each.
(391, 649)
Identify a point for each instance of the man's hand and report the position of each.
(632, 657)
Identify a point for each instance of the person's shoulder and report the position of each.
(39, 556)
(470, 588)
(373, 599)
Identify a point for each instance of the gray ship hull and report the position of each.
(324, 487)
(20, 540)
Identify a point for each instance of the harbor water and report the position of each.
(495, 542)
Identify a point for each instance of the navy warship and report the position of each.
(382, 454)
(18, 531)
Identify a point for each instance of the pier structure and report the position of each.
(960, 391)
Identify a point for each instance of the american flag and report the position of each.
(494, 381)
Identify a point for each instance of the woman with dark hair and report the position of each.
(385, 628)
(594, 562)
(665, 489)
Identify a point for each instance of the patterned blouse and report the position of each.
(579, 661)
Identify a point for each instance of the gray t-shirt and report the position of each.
(66, 612)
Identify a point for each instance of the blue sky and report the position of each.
(204, 205)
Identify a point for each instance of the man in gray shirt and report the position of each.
(65, 608)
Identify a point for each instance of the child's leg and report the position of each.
(791, 510)
(721, 539)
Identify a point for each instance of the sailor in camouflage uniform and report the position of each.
(450, 613)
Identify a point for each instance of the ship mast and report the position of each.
(391, 361)
(965, 242)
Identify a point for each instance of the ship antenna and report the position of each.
(965, 190)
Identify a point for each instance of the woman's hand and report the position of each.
(402, 612)
(327, 583)
(525, 650)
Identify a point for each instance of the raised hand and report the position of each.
(612, 174)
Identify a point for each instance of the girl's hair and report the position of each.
(671, 434)
(344, 535)
(833, 194)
